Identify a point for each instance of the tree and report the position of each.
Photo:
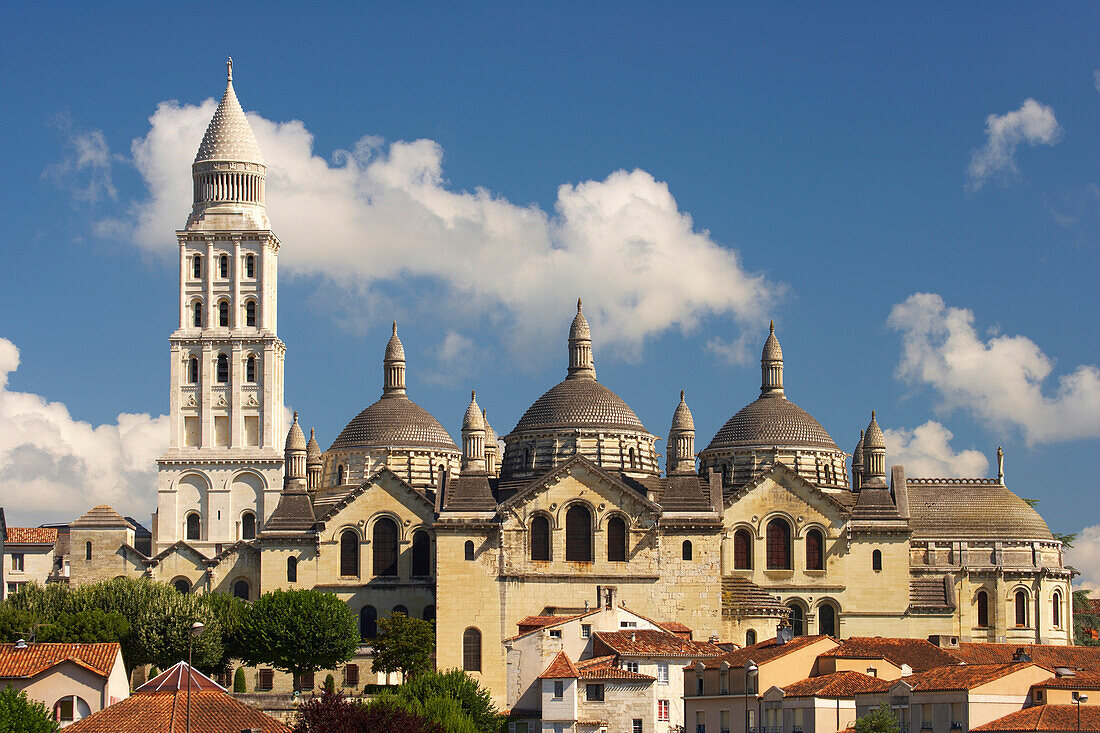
(20, 714)
(1085, 619)
(403, 645)
(879, 720)
(448, 697)
(16, 624)
(298, 631)
(85, 627)
(239, 684)
(333, 712)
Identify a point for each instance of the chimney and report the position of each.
(1021, 655)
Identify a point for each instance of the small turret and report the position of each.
(857, 463)
(771, 366)
(393, 365)
(492, 450)
(314, 464)
(874, 456)
(473, 438)
(581, 365)
(294, 455)
(681, 440)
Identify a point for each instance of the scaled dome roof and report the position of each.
(772, 420)
(579, 403)
(394, 421)
(229, 136)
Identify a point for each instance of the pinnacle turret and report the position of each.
(581, 365)
(771, 366)
(393, 365)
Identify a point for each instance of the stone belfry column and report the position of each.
(225, 455)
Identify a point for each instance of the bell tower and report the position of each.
(224, 459)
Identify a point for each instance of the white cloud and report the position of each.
(381, 218)
(1085, 556)
(1033, 123)
(999, 380)
(926, 451)
(457, 360)
(1096, 79)
(85, 171)
(53, 467)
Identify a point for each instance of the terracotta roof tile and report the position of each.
(1047, 718)
(1079, 681)
(919, 654)
(604, 668)
(37, 658)
(560, 668)
(1046, 655)
(32, 535)
(963, 677)
(174, 679)
(212, 711)
(837, 684)
(762, 652)
(675, 627)
(651, 643)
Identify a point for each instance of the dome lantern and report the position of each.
(581, 365)
(473, 437)
(681, 439)
(393, 366)
(771, 366)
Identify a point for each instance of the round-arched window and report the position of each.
(349, 553)
(826, 620)
(248, 526)
(742, 550)
(616, 540)
(241, 589)
(686, 550)
(194, 527)
(779, 545)
(182, 585)
(815, 550)
(540, 538)
(578, 534)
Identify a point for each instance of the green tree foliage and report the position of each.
(298, 631)
(85, 627)
(20, 714)
(1084, 619)
(16, 624)
(1066, 538)
(333, 712)
(330, 683)
(239, 684)
(403, 645)
(879, 720)
(449, 698)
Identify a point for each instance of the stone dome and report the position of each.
(395, 350)
(229, 136)
(874, 437)
(579, 403)
(772, 420)
(473, 419)
(394, 421)
(772, 351)
(682, 418)
(945, 508)
(313, 450)
(295, 438)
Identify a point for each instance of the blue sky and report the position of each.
(847, 155)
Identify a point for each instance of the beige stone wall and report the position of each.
(38, 563)
(419, 467)
(109, 559)
(623, 703)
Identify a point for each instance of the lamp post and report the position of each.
(751, 670)
(196, 629)
(1079, 699)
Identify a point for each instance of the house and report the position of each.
(161, 704)
(73, 680)
(1046, 719)
(823, 704)
(595, 696)
(884, 657)
(28, 557)
(1051, 656)
(1067, 687)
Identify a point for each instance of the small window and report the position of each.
(1056, 610)
(292, 570)
(662, 711)
(193, 370)
(662, 673)
(267, 679)
(632, 459)
(368, 623)
(983, 609)
(241, 589)
(223, 369)
(196, 310)
(540, 538)
(826, 620)
(628, 624)
(616, 540)
(555, 633)
(339, 475)
(87, 550)
(471, 650)
(815, 550)
(631, 667)
(742, 550)
(17, 561)
(250, 369)
(686, 550)
(1021, 608)
(223, 266)
(876, 560)
(586, 631)
(593, 693)
(429, 613)
(248, 526)
(223, 313)
(250, 266)
(351, 675)
(636, 725)
(469, 550)
(194, 527)
(559, 689)
(196, 266)
(181, 585)
(250, 314)
(750, 637)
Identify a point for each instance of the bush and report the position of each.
(239, 681)
(19, 714)
(330, 683)
(448, 698)
(879, 720)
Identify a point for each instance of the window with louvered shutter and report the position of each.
(779, 545)
(742, 550)
(351, 675)
(578, 534)
(540, 538)
(616, 540)
(815, 551)
(385, 547)
(267, 679)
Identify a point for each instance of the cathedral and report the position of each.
(770, 523)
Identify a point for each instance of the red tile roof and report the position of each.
(37, 658)
(653, 643)
(604, 668)
(1046, 655)
(174, 679)
(675, 627)
(964, 677)
(212, 711)
(560, 668)
(837, 684)
(919, 654)
(1047, 718)
(32, 535)
(762, 652)
(1079, 681)
(537, 622)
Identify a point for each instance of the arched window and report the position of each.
(196, 266)
(181, 585)
(468, 550)
(223, 313)
(194, 527)
(385, 547)
(87, 550)
(742, 549)
(779, 545)
(292, 570)
(248, 526)
(540, 538)
(223, 369)
(249, 266)
(193, 370)
(250, 369)
(1021, 608)
(368, 623)
(349, 553)
(616, 540)
(250, 313)
(223, 266)
(876, 560)
(196, 309)
(422, 554)
(429, 613)
(471, 650)
(578, 534)
(750, 637)
(815, 550)
(797, 619)
(983, 609)
(400, 609)
(632, 458)
(339, 475)
(685, 550)
(826, 620)
(1056, 610)
(241, 589)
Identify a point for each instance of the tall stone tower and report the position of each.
(221, 476)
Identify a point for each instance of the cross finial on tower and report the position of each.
(395, 328)
(578, 305)
(229, 68)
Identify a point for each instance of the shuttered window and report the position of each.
(616, 540)
(385, 547)
(540, 538)
(578, 534)
(779, 545)
(351, 675)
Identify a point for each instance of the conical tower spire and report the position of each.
(771, 366)
(681, 440)
(393, 365)
(473, 438)
(581, 365)
(874, 456)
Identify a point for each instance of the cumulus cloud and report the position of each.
(1096, 79)
(926, 451)
(54, 467)
(85, 171)
(381, 219)
(1085, 556)
(1000, 380)
(1033, 123)
(457, 359)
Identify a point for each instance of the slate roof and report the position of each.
(1047, 718)
(561, 667)
(32, 535)
(604, 668)
(394, 421)
(1047, 655)
(946, 508)
(930, 593)
(469, 493)
(741, 594)
(836, 684)
(35, 658)
(229, 136)
(580, 402)
(762, 652)
(919, 654)
(772, 420)
(654, 643)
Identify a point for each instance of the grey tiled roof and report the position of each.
(971, 508)
(469, 493)
(770, 421)
(741, 594)
(929, 592)
(685, 493)
(294, 513)
(394, 421)
(229, 136)
(579, 403)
